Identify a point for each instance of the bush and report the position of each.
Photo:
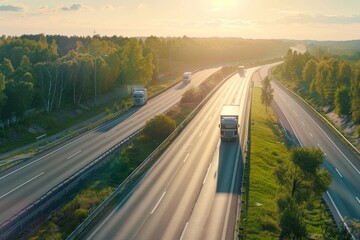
(192, 95)
(158, 128)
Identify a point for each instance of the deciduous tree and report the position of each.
(267, 92)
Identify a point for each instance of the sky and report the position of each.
(256, 19)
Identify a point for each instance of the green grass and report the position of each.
(106, 179)
(52, 123)
(267, 148)
(267, 151)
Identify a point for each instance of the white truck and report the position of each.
(229, 122)
(186, 77)
(139, 96)
(241, 71)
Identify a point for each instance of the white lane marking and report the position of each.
(73, 154)
(321, 149)
(152, 212)
(357, 199)
(230, 196)
(183, 232)
(338, 172)
(201, 133)
(209, 118)
(21, 185)
(207, 174)
(326, 135)
(60, 148)
(108, 135)
(338, 212)
(296, 113)
(311, 134)
(187, 156)
(302, 122)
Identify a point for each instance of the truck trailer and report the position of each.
(139, 96)
(186, 77)
(229, 122)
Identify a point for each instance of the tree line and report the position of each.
(51, 72)
(335, 82)
(34, 74)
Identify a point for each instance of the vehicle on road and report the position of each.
(139, 96)
(241, 71)
(186, 77)
(229, 122)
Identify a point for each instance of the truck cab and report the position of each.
(186, 77)
(229, 122)
(139, 96)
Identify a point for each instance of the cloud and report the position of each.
(74, 7)
(11, 8)
(319, 18)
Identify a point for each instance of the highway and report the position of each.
(192, 191)
(26, 183)
(343, 196)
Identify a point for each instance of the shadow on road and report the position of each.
(227, 163)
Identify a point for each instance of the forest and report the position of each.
(331, 81)
(55, 72)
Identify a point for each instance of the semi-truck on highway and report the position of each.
(139, 96)
(241, 71)
(229, 122)
(186, 77)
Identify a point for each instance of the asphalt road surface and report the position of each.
(26, 183)
(343, 196)
(192, 190)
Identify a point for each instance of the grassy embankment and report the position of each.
(268, 149)
(107, 178)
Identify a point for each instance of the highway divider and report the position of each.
(100, 122)
(130, 182)
(40, 209)
(11, 228)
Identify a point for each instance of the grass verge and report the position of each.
(108, 177)
(267, 150)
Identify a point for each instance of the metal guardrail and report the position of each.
(14, 226)
(10, 228)
(337, 131)
(143, 167)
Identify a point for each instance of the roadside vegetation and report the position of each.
(330, 84)
(108, 177)
(51, 82)
(282, 195)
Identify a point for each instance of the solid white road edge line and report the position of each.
(325, 135)
(21, 185)
(111, 214)
(338, 212)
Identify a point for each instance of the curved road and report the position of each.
(192, 190)
(26, 183)
(343, 197)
